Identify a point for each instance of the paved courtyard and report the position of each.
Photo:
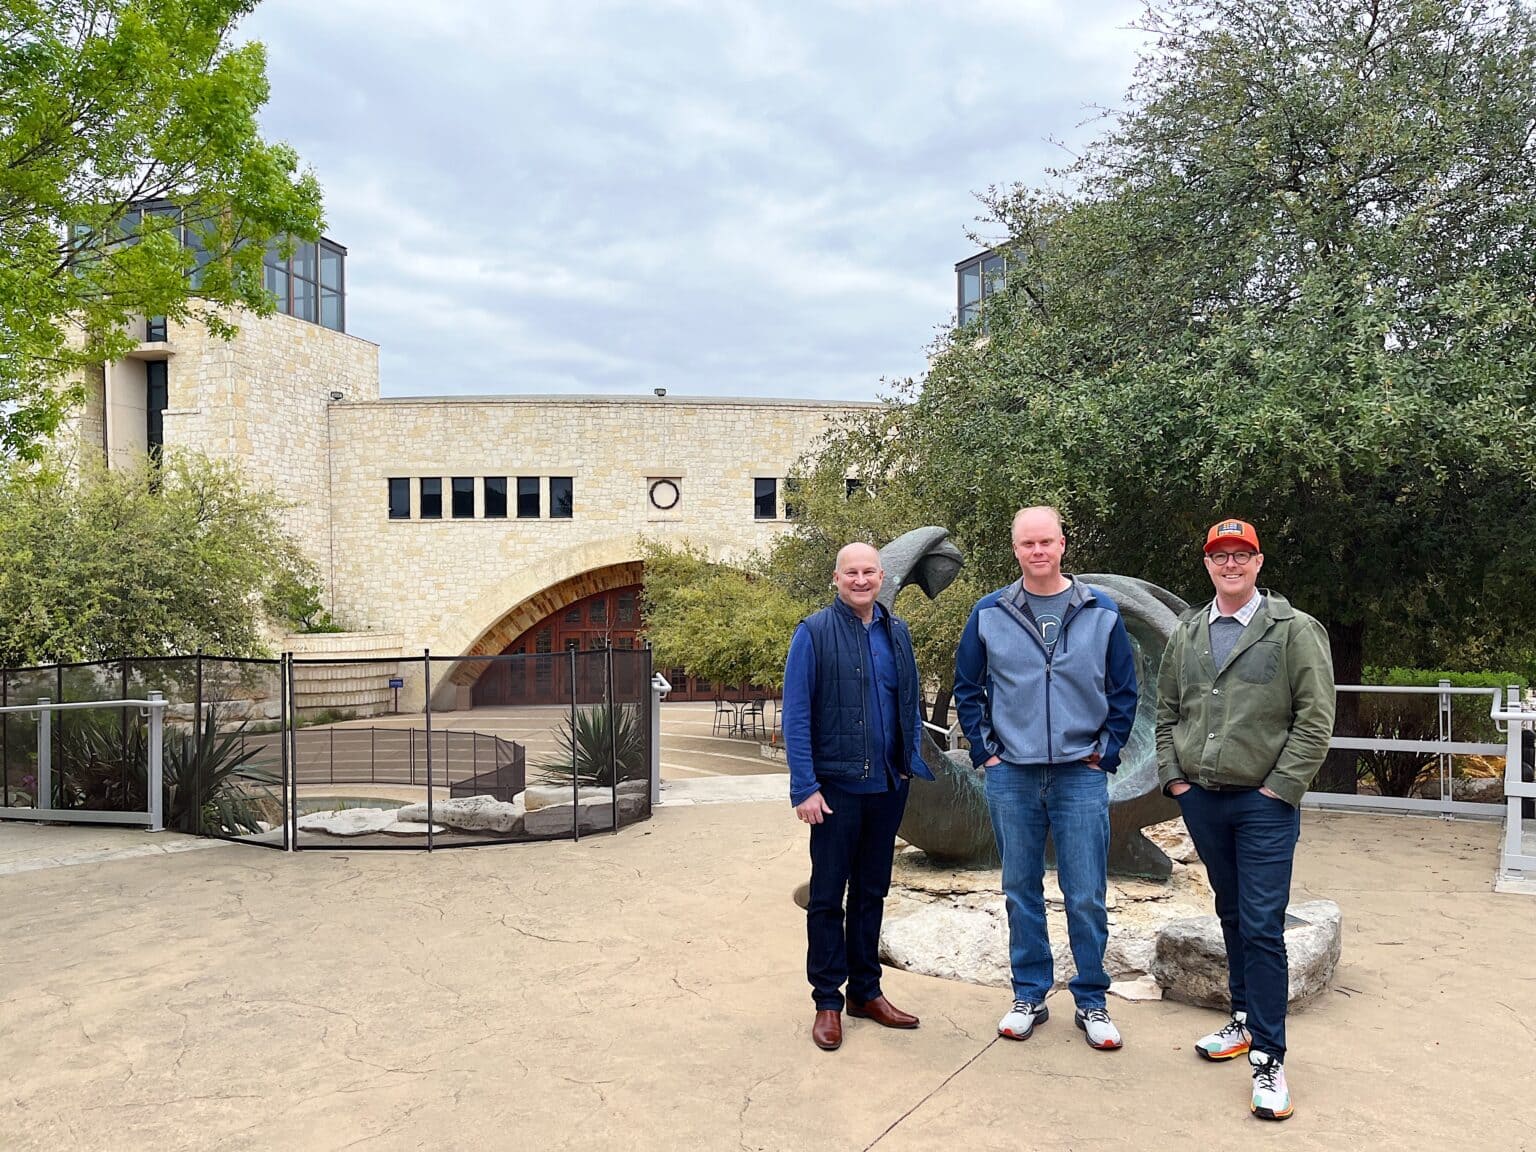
(646, 990)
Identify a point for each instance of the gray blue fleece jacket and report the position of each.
(1019, 702)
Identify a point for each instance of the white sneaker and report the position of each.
(1099, 1029)
(1021, 1020)
(1228, 1042)
(1271, 1096)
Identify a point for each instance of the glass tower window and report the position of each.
(977, 279)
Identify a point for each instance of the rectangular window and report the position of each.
(562, 498)
(463, 497)
(431, 498)
(330, 311)
(527, 497)
(791, 498)
(495, 498)
(156, 401)
(399, 498)
(765, 498)
(154, 329)
(304, 299)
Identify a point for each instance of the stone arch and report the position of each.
(527, 596)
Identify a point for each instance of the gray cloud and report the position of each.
(736, 197)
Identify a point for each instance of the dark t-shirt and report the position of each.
(1049, 612)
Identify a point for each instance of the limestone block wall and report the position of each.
(443, 583)
(361, 688)
(262, 400)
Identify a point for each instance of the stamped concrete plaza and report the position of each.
(646, 990)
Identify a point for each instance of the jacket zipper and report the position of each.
(867, 658)
(1050, 660)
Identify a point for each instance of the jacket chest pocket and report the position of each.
(1259, 664)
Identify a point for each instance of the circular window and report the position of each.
(664, 494)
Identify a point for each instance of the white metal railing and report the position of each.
(660, 686)
(154, 709)
(951, 734)
(1510, 718)
(1516, 717)
(1443, 748)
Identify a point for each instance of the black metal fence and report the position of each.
(250, 756)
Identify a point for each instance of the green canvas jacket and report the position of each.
(1263, 719)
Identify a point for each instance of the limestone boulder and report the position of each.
(1191, 957)
(538, 796)
(360, 822)
(472, 814)
(595, 814)
(953, 942)
(1173, 838)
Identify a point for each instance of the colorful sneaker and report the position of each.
(1021, 1020)
(1099, 1029)
(1228, 1042)
(1271, 1097)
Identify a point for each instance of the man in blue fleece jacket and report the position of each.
(1045, 685)
(852, 733)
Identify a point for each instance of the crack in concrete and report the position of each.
(746, 1103)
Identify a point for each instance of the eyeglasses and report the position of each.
(1220, 558)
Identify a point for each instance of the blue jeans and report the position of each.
(1247, 841)
(1071, 802)
(851, 852)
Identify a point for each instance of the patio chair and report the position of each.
(752, 719)
(725, 716)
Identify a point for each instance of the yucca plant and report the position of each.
(227, 796)
(105, 770)
(596, 739)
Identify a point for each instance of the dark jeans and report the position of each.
(850, 851)
(1247, 841)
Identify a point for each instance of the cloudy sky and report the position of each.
(731, 197)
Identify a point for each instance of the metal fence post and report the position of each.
(575, 751)
(659, 688)
(426, 663)
(156, 767)
(290, 758)
(202, 718)
(1514, 824)
(613, 732)
(1447, 787)
(44, 796)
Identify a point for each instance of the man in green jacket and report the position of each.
(1244, 714)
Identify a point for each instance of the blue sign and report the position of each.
(396, 682)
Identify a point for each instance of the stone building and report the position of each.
(466, 525)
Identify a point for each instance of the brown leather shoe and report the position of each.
(827, 1031)
(882, 1012)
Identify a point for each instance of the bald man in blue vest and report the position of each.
(852, 733)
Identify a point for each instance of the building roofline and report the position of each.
(624, 399)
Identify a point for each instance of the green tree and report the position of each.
(103, 106)
(722, 623)
(833, 512)
(1292, 282)
(151, 562)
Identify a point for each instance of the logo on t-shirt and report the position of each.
(1050, 625)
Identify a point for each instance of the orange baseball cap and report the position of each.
(1226, 533)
